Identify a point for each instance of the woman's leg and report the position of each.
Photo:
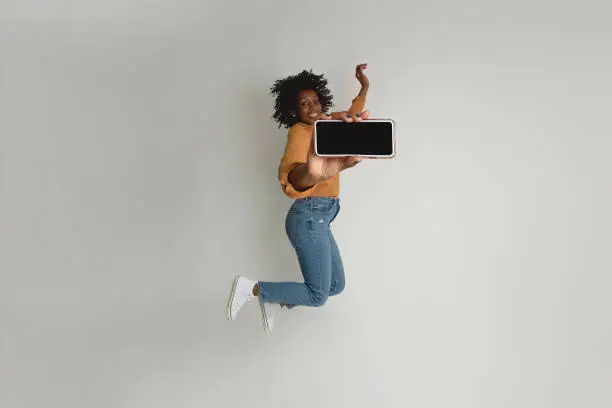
(337, 271)
(309, 231)
(315, 259)
(337, 276)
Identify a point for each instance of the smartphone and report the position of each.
(368, 138)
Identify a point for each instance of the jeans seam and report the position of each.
(311, 232)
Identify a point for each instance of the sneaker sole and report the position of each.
(264, 318)
(231, 298)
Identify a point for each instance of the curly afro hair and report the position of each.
(286, 91)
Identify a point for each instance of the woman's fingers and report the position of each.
(351, 162)
(350, 117)
(356, 117)
(360, 68)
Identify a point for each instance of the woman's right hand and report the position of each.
(324, 168)
(361, 76)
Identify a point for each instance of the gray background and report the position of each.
(138, 175)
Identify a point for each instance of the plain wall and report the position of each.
(138, 176)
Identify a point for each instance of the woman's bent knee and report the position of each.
(338, 288)
(318, 298)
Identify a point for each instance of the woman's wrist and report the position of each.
(312, 177)
(302, 178)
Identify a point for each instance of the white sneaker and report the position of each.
(241, 294)
(269, 315)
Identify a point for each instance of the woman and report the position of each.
(313, 182)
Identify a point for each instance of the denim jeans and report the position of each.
(308, 227)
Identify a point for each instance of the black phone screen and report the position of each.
(365, 138)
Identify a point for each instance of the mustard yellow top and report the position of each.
(296, 152)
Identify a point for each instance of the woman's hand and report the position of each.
(361, 76)
(324, 168)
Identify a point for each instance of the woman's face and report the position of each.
(308, 108)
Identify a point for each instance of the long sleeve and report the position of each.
(296, 153)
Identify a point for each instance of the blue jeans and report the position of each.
(308, 226)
